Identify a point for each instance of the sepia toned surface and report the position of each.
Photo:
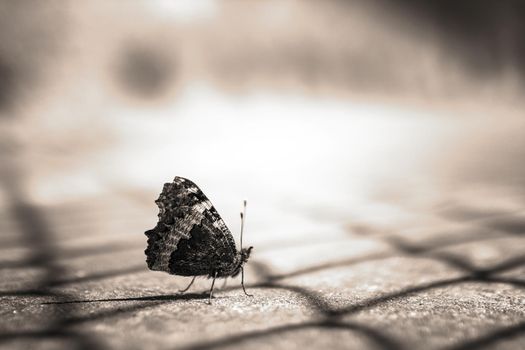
(379, 145)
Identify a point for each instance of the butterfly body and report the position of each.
(190, 238)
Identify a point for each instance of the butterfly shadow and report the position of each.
(165, 298)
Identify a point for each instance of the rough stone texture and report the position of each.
(75, 277)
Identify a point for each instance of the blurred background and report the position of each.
(322, 114)
(314, 104)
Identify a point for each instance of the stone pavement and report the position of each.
(451, 276)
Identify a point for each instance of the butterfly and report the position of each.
(191, 239)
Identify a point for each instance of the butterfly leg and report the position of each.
(224, 283)
(211, 289)
(188, 287)
(242, 283)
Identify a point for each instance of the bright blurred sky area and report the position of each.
(333, 104)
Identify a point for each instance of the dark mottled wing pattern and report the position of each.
(190, 238)
(202, 254)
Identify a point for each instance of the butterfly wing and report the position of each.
(190, 237)
(204, 253)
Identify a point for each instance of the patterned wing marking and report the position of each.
(182, 206)
(203, 253)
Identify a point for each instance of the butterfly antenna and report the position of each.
(243, 215)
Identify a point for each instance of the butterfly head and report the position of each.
(245, 254)
(242, 258)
